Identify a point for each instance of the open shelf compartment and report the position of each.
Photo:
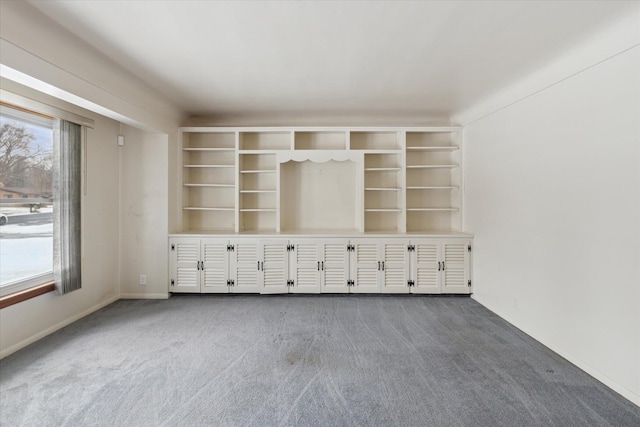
(320, 140)
(265, 140)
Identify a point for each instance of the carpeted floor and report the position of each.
(299, 361)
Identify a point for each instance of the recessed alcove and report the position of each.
(319, 196)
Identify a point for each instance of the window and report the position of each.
(40, 169)
(26, 185)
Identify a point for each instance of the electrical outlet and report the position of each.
(143, 279)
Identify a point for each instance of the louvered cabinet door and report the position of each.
(456, 266)
(274, 262)
(245, 270)
(366, 266)
(395, 267)
(304, 266)
(335, 271)
(215, 266)
(184, 262)
(425, 271)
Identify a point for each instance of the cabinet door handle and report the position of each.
(198, 267)
(438, 265)
(318, 265)
(262, 265)
(258, 265)
(442, 265)
(322, 265)
(382, 265)
(378, 265)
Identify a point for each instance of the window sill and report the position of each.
(26, 294)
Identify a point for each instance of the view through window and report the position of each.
(26, 200)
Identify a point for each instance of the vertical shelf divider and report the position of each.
(237, 183)
(402, 181)
(361, 202)
(181, 217)
(278, 186)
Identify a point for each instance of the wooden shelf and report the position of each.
(197, 208)
(440, 148)
(257, 191)
(259, 171)
(208, 149)
(368, 151)
(434, 188)
(432, 166)
(432, 209)
(265, 151)
(383, 210)
(383, 189)
(258, 210)
(383, 169)
(210, 185)
(209, 166)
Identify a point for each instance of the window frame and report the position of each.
(23, 284)
(29, 117)
(23, 289)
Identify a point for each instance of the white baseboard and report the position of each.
(144, 296)
(595, 373)
(10, 350)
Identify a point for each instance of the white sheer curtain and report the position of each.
(67, 178)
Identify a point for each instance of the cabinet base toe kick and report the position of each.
(320, 265)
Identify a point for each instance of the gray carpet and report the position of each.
(299, 361)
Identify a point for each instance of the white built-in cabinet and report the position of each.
(214, 265)
(320, 210)
(317, 265)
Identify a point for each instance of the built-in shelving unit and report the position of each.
(208, 180)
(433, 180)
(345, 180)
(320, 210)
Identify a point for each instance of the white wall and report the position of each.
(553, 197)
(30, 320)
(38, 53)
(63, 65)
(143, 213)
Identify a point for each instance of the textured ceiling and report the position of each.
(381, 58)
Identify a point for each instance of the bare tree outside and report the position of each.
(22, 163)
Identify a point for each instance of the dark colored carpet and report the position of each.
(299, 361)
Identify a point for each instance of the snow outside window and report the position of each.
(26, 200)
